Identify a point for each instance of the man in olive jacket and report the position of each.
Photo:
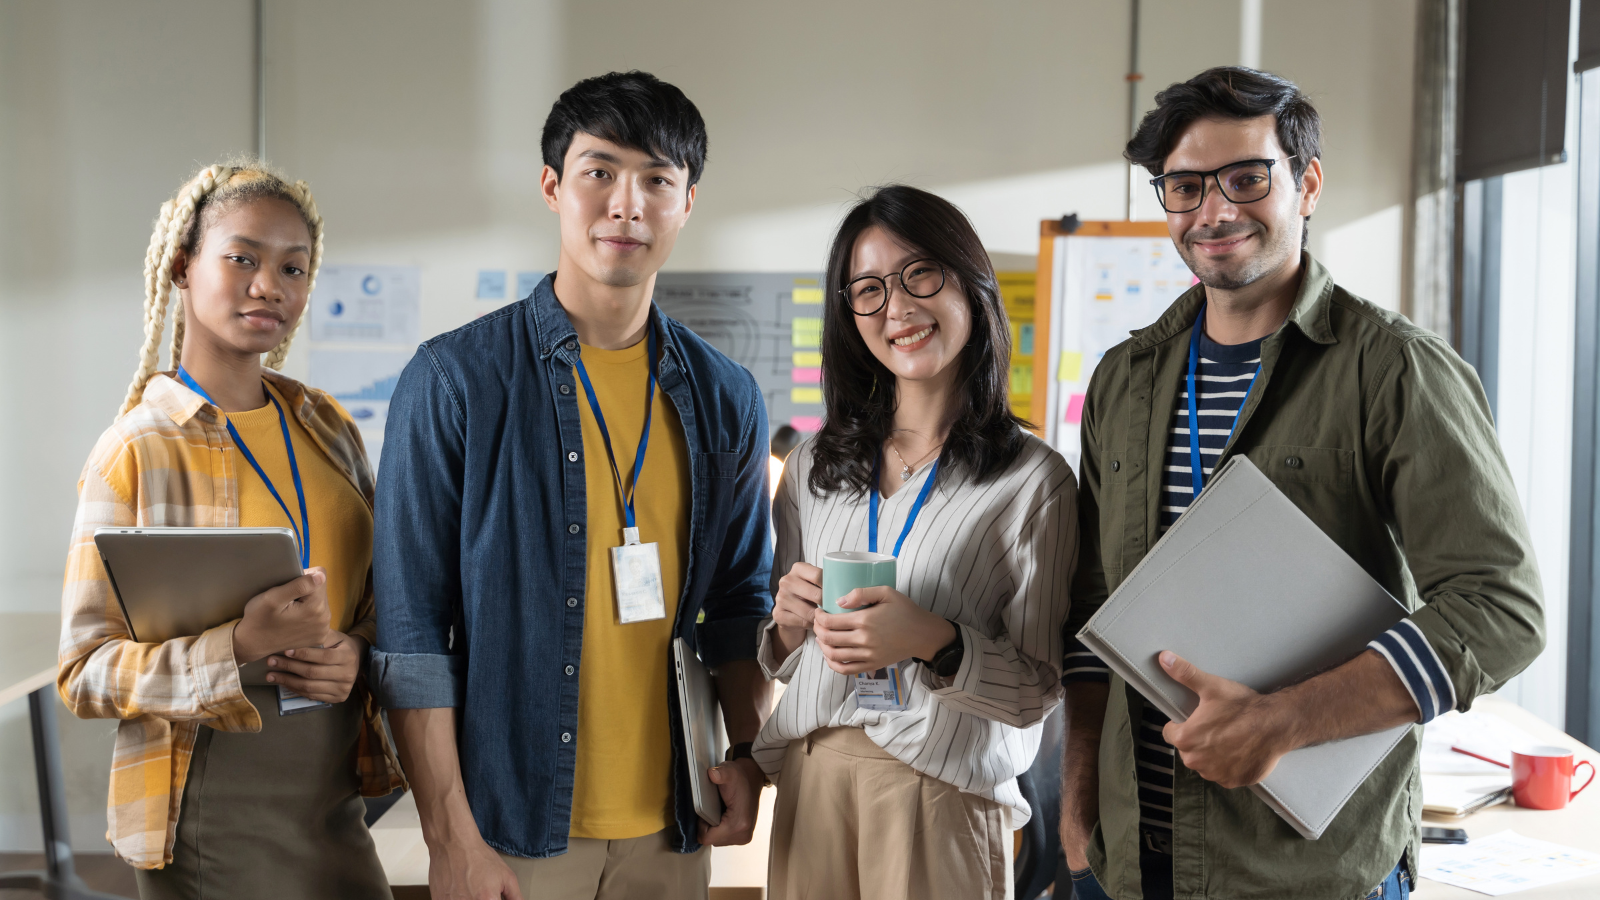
(1375, 429)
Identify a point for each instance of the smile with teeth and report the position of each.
(910, 339)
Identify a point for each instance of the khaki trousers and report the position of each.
(645, 868)
(854, 823)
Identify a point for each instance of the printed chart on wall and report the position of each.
(770, 323)
(365, 327)
(1102, 288)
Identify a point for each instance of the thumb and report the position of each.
(1185, 673)
(717, 775)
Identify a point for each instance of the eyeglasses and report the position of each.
(1240, 182)
(867, 294)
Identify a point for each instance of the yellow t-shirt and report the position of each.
(623, 784)
(341, 523)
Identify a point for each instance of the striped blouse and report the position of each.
(994, 558)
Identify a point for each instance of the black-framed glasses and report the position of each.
(867, 294)
(1240, 182)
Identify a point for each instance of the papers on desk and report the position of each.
(1454, 784)
(1505, 863)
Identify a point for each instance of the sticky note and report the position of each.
(491, 284)
(526, 282)
(1025, 340)
(806, 423)
(805, 376)
(1021, 380)
(805, 395)
(808, 296)
(807, 359)
(806, 332)
(1075, 409)
(1071, 368)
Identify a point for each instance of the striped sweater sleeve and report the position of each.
(1420, 670)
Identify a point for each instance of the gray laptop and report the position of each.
(1245, 586)
(702, 728)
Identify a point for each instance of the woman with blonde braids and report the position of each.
(214, 791)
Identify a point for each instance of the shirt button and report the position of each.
(569, 670)
(566, 737)
(572, 529)
(1116, 466)
(1292, 462)
(571, 601)
(572, 345)
(572, 456)
(566, 389)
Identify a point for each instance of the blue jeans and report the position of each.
(1396, 887)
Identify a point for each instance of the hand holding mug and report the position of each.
(799, 595)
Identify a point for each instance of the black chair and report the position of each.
(1040, 860)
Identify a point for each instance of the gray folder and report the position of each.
(1246, 587)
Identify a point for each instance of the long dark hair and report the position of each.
(858, 391)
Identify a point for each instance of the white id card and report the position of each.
(636, 571)
(290, 703)
(882, 690)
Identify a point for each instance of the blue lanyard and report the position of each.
(303, 531)
(872, 521)
(1197, 470)
(627, 491)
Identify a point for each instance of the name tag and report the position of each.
(636, 571)
(290, 703)
(882, 690)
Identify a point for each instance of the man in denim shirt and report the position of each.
(531, 577)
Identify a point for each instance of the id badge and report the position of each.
(882, 690)
(290, 703)
(636, 571)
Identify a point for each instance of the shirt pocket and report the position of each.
(1289, 465)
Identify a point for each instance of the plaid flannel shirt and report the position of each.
(170, 462)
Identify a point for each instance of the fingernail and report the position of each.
(272, 678)
(1168, 658)
(273, 661)
(291, 653)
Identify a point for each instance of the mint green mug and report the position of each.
(845, 570)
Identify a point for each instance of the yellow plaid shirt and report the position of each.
(170, 462)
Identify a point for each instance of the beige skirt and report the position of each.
(274, 814)
(854, 823)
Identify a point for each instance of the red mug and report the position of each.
(1541, 777)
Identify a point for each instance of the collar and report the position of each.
(1311, 314)
(553, 331)
(174, 398)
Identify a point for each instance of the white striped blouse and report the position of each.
(994, 558)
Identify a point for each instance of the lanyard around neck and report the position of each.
(303, 530)
(626, 491)
(911, 518)
(1196, 468)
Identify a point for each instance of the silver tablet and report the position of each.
(176, 582)
(702, 728)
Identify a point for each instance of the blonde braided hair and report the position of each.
(181, 225)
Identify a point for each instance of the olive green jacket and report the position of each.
(1395, 457)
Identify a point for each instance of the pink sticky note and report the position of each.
(806, 423)
(1075, 409)
(806, 376)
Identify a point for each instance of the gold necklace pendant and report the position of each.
(905, 471)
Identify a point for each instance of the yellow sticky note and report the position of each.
(811, 296)
(1022, 380)
(806, 332)
(1071, 368)
(805, 395)
(807, 359)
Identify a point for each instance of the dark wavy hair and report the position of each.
(1228, 92)
(858, 391)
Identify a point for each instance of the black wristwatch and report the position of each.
(742, 750)
(947, 662)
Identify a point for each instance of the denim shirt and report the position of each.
(480, 555)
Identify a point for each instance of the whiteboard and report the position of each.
(1101, 289)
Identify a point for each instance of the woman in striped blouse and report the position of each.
(912, 792)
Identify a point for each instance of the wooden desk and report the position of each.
(1576, 826)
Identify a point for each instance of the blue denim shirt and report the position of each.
(480, 551)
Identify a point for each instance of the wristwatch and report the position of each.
(742, 750)
(947, 662)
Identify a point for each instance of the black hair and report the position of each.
(631, 109)
(858, 391)
(1229, 92)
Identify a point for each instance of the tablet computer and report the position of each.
(177, 582)
(702, 729)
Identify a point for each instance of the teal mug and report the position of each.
(845, 570)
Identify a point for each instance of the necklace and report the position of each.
(905, 467)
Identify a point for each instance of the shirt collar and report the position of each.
(174, 398)
(553, 329)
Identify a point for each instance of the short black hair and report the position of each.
(1229, 92)
(632, 109)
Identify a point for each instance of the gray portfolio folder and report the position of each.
(1246, 587)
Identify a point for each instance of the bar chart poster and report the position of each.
(363, 382)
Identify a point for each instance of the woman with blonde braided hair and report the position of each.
(215, 789)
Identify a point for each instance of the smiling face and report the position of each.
(1229, 246)
(916, 338)
(247, 282)
(621, 209)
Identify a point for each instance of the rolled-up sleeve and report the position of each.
(738, 598)
(416, 546)
(1431, 440)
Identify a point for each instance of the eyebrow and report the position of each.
(656, 162)
(1223, 166)
(301, 248)
(906, 260)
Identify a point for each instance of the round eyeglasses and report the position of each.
(1240, 182)
(867, 294)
